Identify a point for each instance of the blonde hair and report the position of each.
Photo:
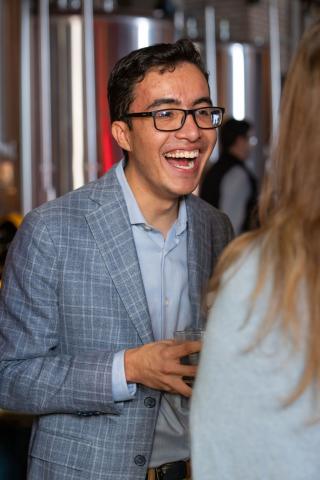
(289, 212)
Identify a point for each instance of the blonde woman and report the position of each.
(255, 411)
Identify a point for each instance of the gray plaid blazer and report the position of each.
(72, 296)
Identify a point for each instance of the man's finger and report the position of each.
(185, 348)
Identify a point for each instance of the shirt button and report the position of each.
(147, 228)
(140, 460)
(149, 402)
(166, 301)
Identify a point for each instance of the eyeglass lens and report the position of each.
(173, 119)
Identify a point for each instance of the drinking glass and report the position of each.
(187, 335)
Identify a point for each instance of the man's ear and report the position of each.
(121, 134)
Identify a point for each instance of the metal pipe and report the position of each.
(211, 56)
(274, 41)
(90, 94)
(25, 108)
(77, 103)
(210, 38)
(45, 102)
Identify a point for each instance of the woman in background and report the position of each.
(255, 411)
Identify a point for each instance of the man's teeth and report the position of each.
(189, 165)
(182, 154)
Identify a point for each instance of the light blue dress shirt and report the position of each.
(164, 270)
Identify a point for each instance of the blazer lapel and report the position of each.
(199, 261)
(111, 229)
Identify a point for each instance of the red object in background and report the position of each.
(104, 140)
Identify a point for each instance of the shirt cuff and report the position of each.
(121, 390)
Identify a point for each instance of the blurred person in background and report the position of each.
(97, 281)
(255, 410)
(229, 183)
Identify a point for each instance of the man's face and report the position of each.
(167, 165)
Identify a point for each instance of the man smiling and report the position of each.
(101, 278)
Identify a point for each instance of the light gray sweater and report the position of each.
(239, 429)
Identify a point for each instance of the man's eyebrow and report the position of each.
(203, 100)
(173, 101)
(162, 101)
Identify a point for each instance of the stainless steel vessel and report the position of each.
(243, 86)
(115, 36)
(54, 126)
(69, 79)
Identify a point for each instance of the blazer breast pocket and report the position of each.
(57, 456)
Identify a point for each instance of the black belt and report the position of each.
(170, 471)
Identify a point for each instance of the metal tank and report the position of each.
(243, 88)
(70, 66)
(54, 126)
(115, 36)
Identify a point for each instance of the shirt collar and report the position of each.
(135, 215)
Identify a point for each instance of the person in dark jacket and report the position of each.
(229, 184)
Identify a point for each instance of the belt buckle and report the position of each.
(164, 471)
(159, 473)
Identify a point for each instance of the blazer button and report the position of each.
(149, 402)
(139, 460)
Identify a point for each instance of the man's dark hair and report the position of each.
(232, 129)
(131, 69)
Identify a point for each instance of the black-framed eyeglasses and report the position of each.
(171, 119)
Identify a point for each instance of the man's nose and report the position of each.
(189, 130)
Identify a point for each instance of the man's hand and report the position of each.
(157, 365)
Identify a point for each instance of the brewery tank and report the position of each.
(243, 88)
(130, 33)
(114, 35)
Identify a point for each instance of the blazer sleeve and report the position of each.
(36, 375)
